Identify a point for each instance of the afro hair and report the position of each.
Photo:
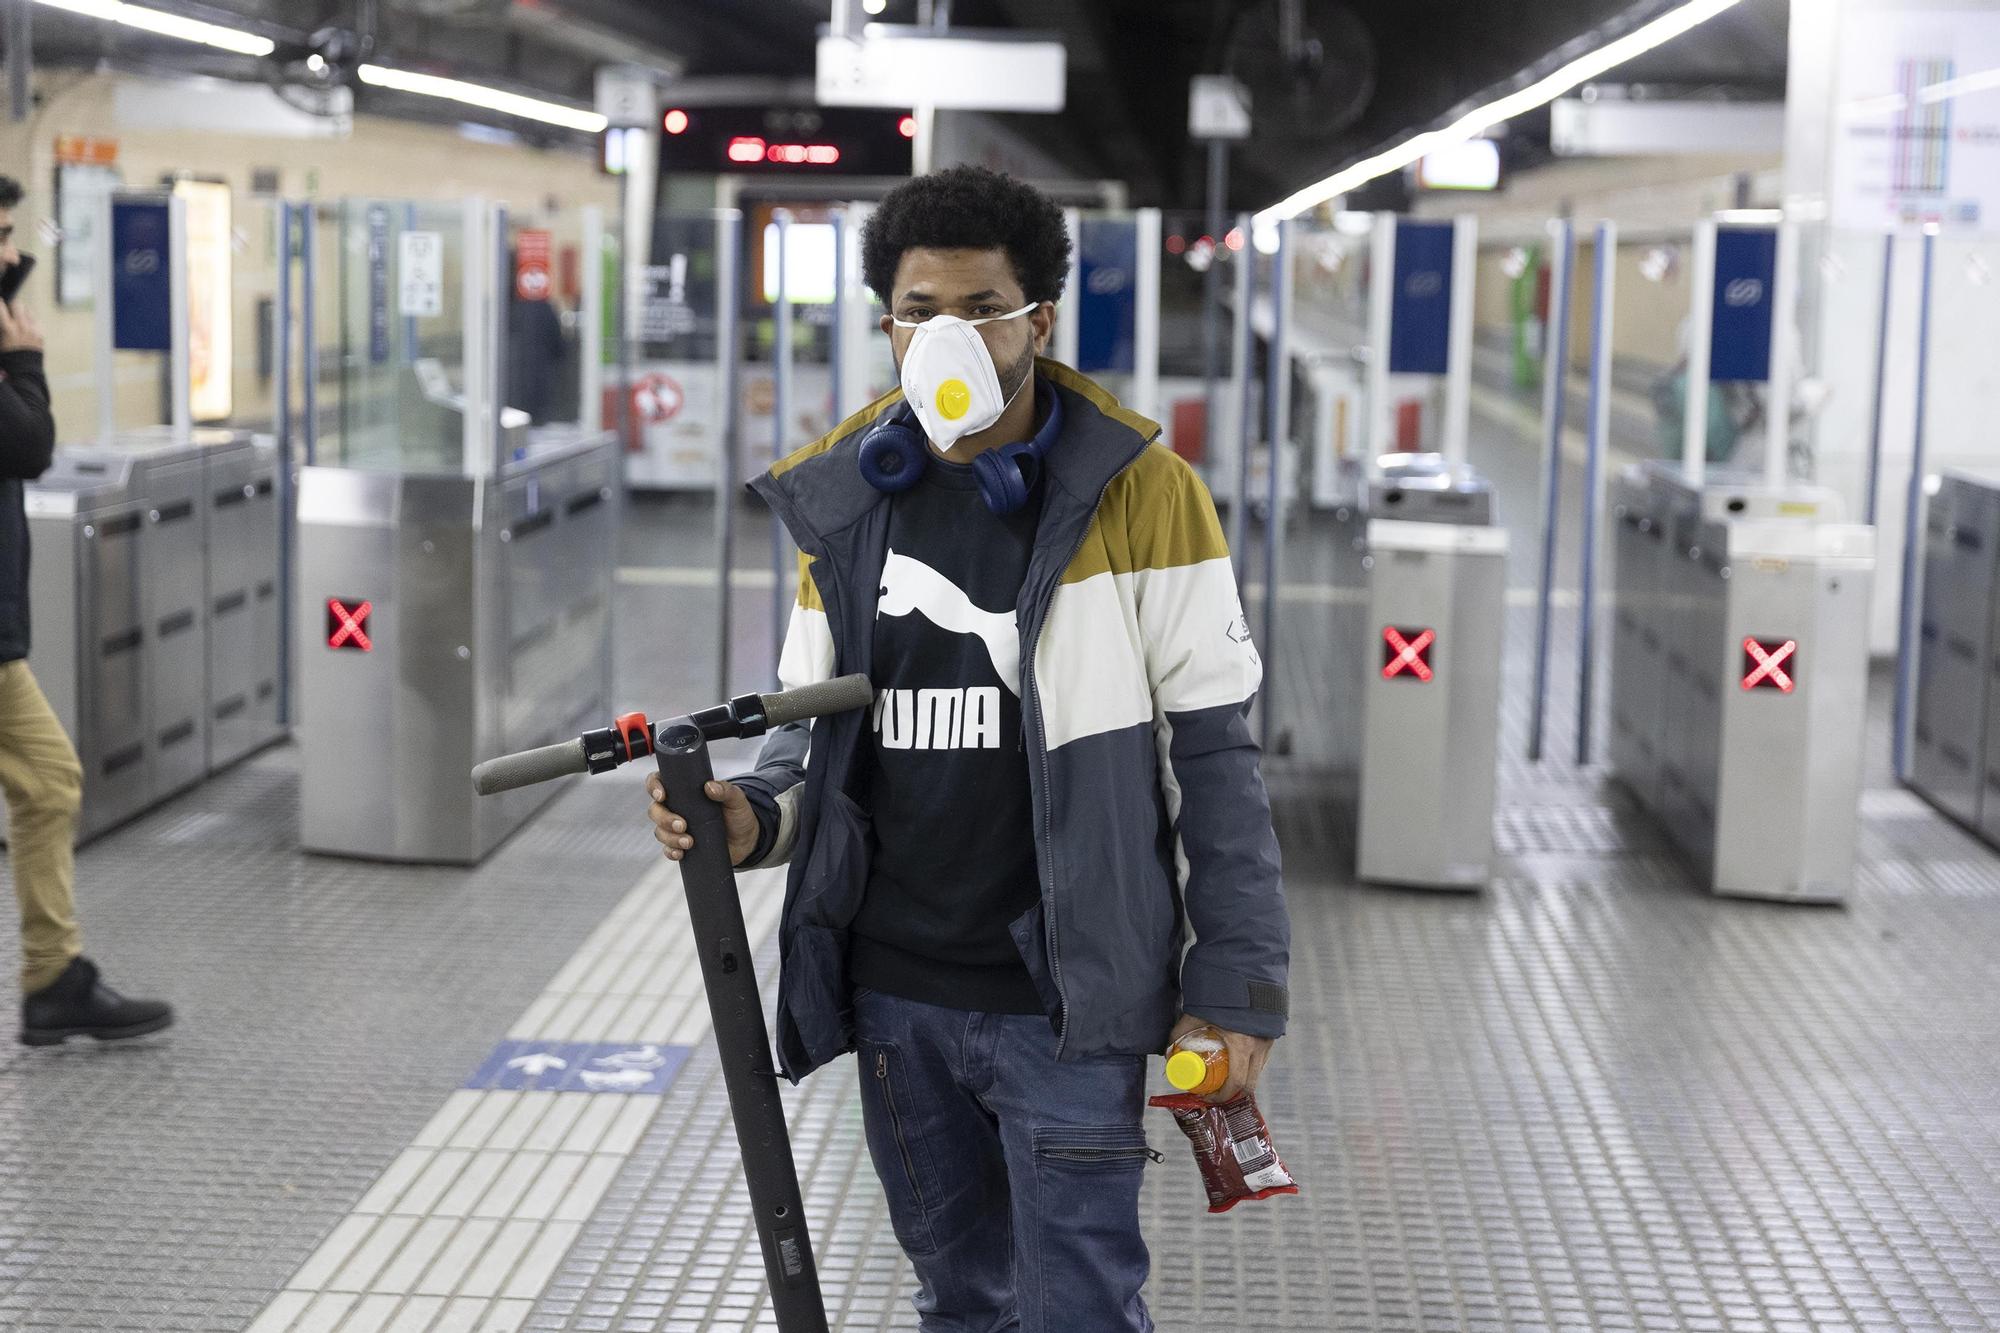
(968, 208)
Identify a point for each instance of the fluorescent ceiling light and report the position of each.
(168, 25)
(1584, 68)
(478, 94)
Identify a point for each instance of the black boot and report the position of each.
(78, 1004)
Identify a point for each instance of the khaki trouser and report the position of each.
(43, 784)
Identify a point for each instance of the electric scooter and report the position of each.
(680, 747)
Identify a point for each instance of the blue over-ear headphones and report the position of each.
(895, 454)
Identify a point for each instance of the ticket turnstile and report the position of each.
(443, 619)
(138, 637)
(242, 599)
(1422, 602)
(1739, 669)
(87, 635)
(1954, 745)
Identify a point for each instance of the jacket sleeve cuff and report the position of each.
(22, 361)
(1234, 1002)
(777, 823)
(758, 793)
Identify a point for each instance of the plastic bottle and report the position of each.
(1199, 1062)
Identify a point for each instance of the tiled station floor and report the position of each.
(1591, 1097)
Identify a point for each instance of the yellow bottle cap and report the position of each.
(1186, 1070)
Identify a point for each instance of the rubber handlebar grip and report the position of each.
(528, 767)
(840, 695)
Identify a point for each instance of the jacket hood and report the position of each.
(818, 491)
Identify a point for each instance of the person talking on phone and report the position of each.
(994, 872)
(63, 995)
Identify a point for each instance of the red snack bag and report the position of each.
(1233, 1148)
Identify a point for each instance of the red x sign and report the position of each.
(347, 624)
(1764, 663)
(1407, 652)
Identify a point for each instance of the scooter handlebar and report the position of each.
(839, 695)
(528, 767)
(631, 737)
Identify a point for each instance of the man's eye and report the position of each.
(919, 313)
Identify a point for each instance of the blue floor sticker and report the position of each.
(579, 1066)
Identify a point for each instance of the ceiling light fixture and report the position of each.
(1541, 92)
(479, 95)
(167, 25)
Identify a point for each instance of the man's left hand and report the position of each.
(1247, 1056)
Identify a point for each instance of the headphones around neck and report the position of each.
(895, 454)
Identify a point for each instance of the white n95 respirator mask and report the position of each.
(949, 378)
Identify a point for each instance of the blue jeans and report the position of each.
(1012, 1179)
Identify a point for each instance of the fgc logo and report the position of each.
(1743, 292)
(1427, 283)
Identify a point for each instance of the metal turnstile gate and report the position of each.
(1427, 574)
(1739, 676)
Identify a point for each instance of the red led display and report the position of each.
(750, 148)
(1765, 662)
(1406, 653)
(347, 624)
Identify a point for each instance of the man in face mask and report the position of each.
(994, 871)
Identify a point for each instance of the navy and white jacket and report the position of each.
(1152, 826)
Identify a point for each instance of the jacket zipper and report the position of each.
(896, 1125)
(1042, 753)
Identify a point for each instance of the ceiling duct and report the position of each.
(554, 26)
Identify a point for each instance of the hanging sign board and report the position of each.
(1746, 265)
(627, 98)
(1420, 302)
(906, 66)
(1218, 107)
(141, 282)
(1108, 304)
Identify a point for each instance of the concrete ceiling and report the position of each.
(1331, 79)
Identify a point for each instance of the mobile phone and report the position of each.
(11, 280)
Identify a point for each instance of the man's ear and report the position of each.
(886, 324)
(1043, 318)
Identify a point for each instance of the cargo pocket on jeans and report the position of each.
(894, 1143)
(1112, 1148)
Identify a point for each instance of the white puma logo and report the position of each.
(911, 585)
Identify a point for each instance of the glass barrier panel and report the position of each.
(806, 265)
(391, 330)
(1329, 337)
(674, 398)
